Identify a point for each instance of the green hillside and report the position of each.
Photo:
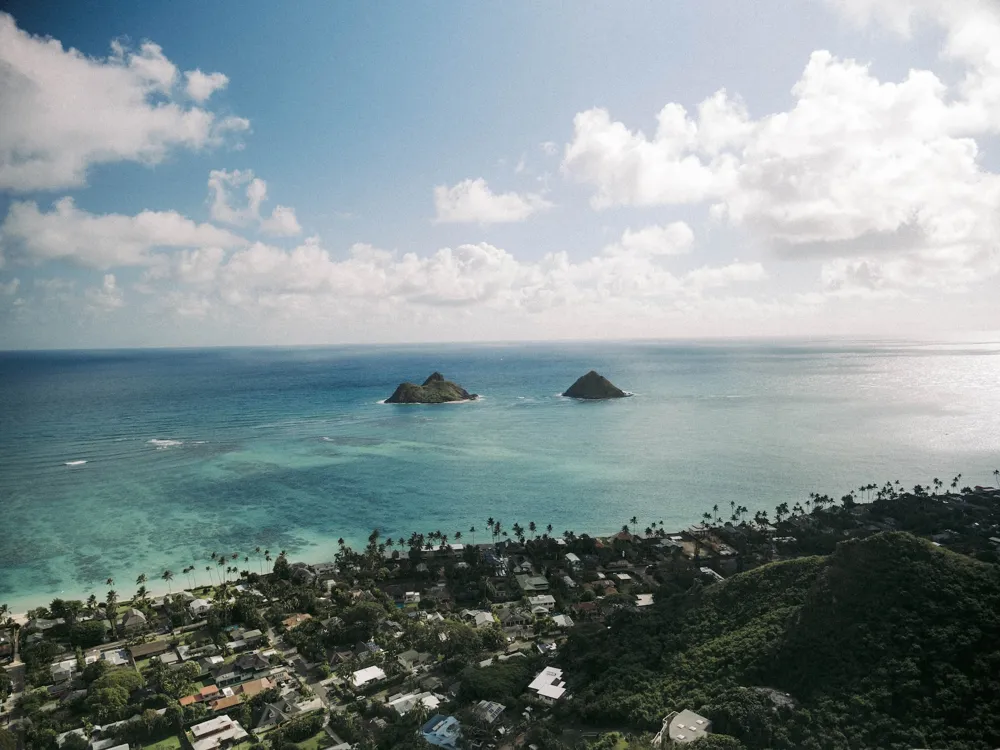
(887, 643)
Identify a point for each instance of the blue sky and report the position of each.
(460, 171)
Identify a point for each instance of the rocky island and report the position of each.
(435, 390)
(594, 386)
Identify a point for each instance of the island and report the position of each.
(435, 390)
(594, 386)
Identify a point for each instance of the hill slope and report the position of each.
(888, 643)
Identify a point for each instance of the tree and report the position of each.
(88, 634)
(111, 609)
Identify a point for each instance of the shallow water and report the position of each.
(192, 451)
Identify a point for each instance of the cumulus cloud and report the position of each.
(62, 112)
(282, 222)
(472, 201)
(102, 241)
(673, 239)
(106, 297)
(200, 86)
(886, 173)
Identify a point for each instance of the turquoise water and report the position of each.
(193, 451)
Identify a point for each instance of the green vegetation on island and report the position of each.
(594, 387)
(435, 390)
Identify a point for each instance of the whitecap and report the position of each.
(160, 444)
(80, 462)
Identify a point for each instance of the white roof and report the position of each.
(563, 621)
(572, 557)
(542, 599)
(687, 726)
(643, 600)
(549, 683)
(211, 726)
(366, 675)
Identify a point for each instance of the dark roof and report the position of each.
(148, 649)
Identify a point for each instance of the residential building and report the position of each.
(410, 660)
(548, 685)
(442, 731)
(562, 622)
(531, 584)
(643, 600)
(546, 601)
(148, 649)
(489, 711)
(200, 607)
(573, 560)
(209, 735)
(403, 703)
(295, 620)
(133, 620)
(682, 727)
(367, 675)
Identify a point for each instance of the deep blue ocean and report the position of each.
(193, 451)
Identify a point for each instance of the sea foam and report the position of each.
(75, 463)
(160, 444)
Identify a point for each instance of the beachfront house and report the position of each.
(442, 731)
(133, 620)
(199, 607)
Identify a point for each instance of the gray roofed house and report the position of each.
(133, 620)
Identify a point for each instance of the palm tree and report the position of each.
(110, 582)
(140, 595)
(548, 529)
(257, 551)
(208, 569)
(168, 576)
(458, 536)
(996, 476)
(634, 520)
(472, 530)
(111, 608)
(141, 579)
(92, 603)
(532, 528)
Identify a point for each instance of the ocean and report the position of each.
(116, 463)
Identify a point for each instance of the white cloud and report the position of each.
(200, 86)
(549, 148)
(886, 173)
(102, 240)
(10, 288)
(62, 112)
(673, 239)
(282, 222)
(106, 297)
(473, 201)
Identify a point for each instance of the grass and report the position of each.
(317, 742)
(171, 743)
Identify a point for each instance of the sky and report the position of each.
(191, 174)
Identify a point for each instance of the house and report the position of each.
(410, 660)
(295, 620)
(115, 657)
(148, 649)
(251, 664)
(209, 735)
(585, 610)
(199, 607)
(514, 618)
(532, 584)
(570, 583)
(251, 688)
(133, 620)
(709, 573)
(546, 601)
(403, 703)
(643, 600)
(225, 674)
(623, 577)
(548, 685)
(442, 731)
(63, 670)
(562, 621)
(364, 676)
(573, 560)
(252, 637)
(411, 597)
(488, 711)
(225, 703)
(478, 618)
(287, 707)
(682, 727)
